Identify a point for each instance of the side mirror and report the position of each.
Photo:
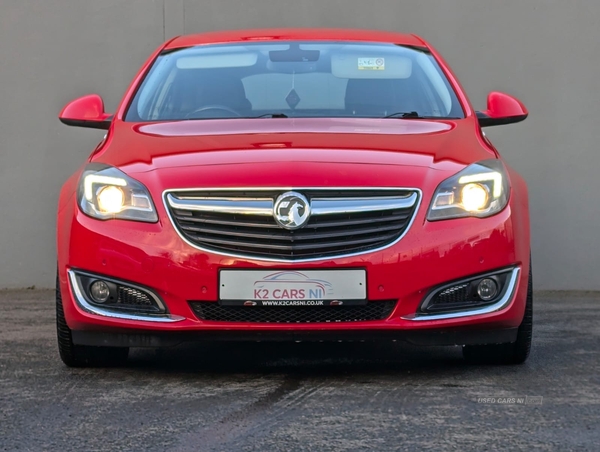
(502, 109)
(86, 111)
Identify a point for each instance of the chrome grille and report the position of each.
(342, 222)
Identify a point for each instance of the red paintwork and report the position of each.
(294, 153)
(290, 34)
(87, 108)
(188, 142)
(502, 105)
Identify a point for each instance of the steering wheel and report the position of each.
(213, 107)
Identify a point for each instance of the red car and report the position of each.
(294, 185)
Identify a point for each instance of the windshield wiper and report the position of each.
(271, 115)
(415, 115)
(404, 114)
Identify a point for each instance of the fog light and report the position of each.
(487, 289)
(100, 291)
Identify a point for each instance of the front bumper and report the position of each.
(153, 339)
(154, 256)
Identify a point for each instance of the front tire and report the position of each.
(83, 355)
(512, 353)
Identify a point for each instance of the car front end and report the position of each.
(293, 228)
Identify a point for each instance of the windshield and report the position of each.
(294, 79)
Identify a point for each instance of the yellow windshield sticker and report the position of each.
(371, 64)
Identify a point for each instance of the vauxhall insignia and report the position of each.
(291, 210)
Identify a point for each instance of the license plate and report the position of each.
(292, 288)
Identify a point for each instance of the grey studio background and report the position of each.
(546, 52)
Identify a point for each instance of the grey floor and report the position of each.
(270, 397)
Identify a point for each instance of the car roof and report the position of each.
(289, 34)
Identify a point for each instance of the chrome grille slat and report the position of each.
(250, 206)
(318, 223)
(342, 221)
(264, 207)
(297, 236)
(332, 206)
(314, 223)
(298, 247)
(225, 222)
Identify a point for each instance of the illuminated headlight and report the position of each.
(107, 193)
(480, 190)
(111, 199)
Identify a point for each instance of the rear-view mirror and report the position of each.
(294, 55)
(86, 111)
(502, 109)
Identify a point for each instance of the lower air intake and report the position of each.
(128, 296)
(374, 310)
(122, 295)
(462, 295)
